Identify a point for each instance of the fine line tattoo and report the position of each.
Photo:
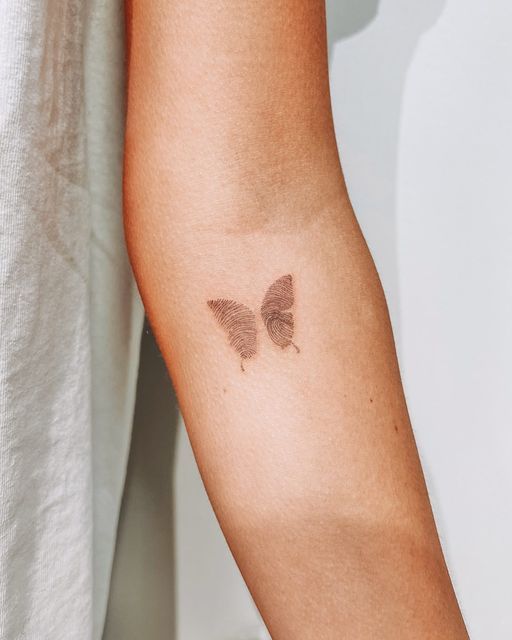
(274, 311)
(239, 322)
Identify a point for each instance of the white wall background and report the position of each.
(423, 104)
(422, 95)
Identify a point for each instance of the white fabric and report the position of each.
(70, 318)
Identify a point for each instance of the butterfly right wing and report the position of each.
(275, 312)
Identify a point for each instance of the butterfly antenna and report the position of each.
(242, 365)
(295, 347)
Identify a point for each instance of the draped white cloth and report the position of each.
(70, 316)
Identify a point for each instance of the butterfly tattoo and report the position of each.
(239, 322)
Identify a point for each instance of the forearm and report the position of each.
(233, 181)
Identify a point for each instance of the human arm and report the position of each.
(232, 180)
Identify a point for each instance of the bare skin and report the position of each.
(233, 181)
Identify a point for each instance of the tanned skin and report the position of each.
(233, 181)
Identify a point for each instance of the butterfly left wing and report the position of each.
(239, 322)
